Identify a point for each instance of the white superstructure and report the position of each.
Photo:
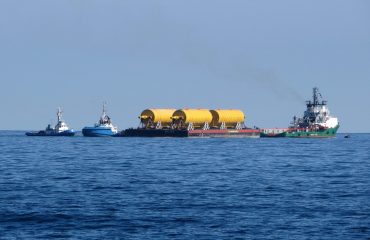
(106, 122)
(61, 125)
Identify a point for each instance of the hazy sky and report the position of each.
(263, 57)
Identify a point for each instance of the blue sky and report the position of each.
(263, 57)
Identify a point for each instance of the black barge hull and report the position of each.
(242, 133)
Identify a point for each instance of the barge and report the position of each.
(139, 132)
(191, 123)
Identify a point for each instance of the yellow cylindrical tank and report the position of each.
(198, 117)
(228, 116)
(155, 115)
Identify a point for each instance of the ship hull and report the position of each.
(273, 135)
(243, 133)
(68, 133)
(328, 133)
(294, 133)
(97, 132)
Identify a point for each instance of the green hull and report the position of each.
(331, 132)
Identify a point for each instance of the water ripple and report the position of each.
(117, 188)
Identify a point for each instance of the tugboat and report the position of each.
(61, 129)
(316, 122)
(102, 128)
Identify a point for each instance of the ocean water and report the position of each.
(201, 188)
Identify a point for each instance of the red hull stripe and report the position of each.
(224, 131)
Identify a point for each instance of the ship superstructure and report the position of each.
(61, 126)
(317, 114)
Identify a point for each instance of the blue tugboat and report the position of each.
(103, 128)
(61, 129)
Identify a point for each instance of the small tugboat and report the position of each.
(102, 128)
(61, 129)
(316, 122)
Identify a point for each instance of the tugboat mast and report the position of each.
(59, 114)
(104, 113)
(104, 103)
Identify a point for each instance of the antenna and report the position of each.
(104, 107)
(59, 114)
(315, 95)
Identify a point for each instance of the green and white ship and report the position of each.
(315, 123)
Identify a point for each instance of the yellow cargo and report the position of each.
(198, 117)
(155, 115)
(230, 117)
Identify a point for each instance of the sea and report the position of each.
(184, 188)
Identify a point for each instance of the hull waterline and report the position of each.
(295, 133)
(49, 134)
(97, 132)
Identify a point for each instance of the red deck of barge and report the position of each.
(225, 133)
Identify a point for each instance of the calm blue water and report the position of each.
(117, 188)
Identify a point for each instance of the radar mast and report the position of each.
(59, 114)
